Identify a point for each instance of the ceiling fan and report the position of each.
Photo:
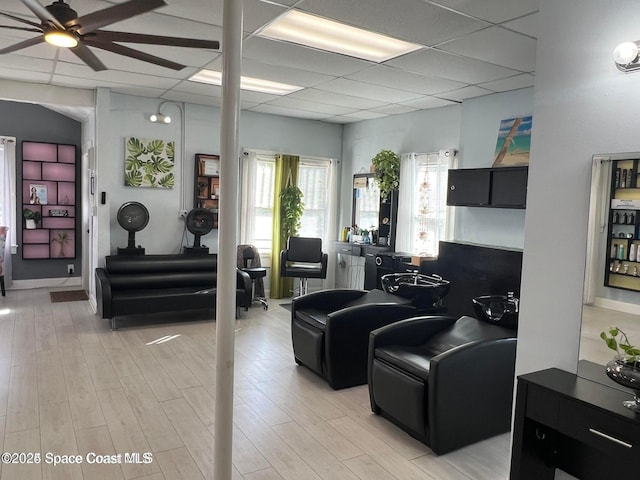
(61, 26)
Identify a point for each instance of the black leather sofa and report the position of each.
(330, 330)
(136, 284)
(447, 382)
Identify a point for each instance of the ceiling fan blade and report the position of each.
(122, 11)
(110, 36)
(22, 20)
(24, 29)
(23, 44)
(42, 13)
(88, 57)
(130, 52)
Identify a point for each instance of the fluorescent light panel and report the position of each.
(246, 83)
(324, 34)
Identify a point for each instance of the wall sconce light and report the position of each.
(159, 118)
(626, 56)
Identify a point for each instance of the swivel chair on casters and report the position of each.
(303, 259)
(255, 272)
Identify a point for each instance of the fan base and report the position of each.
(196, 250)
(131, 251)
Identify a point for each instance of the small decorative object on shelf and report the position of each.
(31, 218)
(624, 369)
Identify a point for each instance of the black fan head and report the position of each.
(133, 217)
(199, 222)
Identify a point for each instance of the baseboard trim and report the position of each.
(46, 282)
(617, 305)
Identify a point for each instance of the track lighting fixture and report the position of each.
(159, 118)
(626, 56)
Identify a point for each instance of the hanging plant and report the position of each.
(387, 170)
(291, 208)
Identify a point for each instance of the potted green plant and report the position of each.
(62, 239)
(31, 218)
(291, 207)
(387, 169)
(625, 366)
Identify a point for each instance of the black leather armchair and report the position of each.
(447, 382)
(330, 330)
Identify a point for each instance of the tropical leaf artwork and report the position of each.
(149, 163)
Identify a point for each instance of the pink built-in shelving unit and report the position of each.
(49, 188)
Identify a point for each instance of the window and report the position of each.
(313, 181)
(423, 218)
(314, 178)
(263, 213)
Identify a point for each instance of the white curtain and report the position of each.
(247, 198)
(404, 228)
(332, 225)
(8, 183)
(423, 217)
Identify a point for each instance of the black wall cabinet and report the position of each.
(504, 187)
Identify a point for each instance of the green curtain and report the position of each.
(286, 172)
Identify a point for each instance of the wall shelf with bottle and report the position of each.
(622, 268)
(207, 184)
(48, 200)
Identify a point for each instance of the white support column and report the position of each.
(226, 296)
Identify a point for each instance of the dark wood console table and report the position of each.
(576, 424)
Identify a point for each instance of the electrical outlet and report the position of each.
(182, 214)
(70, 268)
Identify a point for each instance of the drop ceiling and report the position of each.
(470, 48)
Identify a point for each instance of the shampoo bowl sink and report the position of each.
(499, 309)
(424, 291)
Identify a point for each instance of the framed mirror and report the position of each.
(612, 278)
(366, 201)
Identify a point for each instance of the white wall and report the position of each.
(582, 105)
(120, 116)
(422, 131)
(478, 134)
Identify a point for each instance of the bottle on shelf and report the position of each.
(631, 218)
(623, 180)
(615, 217)
(621, 255)
(632, 252)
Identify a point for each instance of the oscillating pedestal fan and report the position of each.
(199, 222)
(133, 217)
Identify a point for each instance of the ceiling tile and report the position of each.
(192, 98)
(367, 90)
(410, 20)
(288, 112)
(498, 46)
(492, 10)
(296, 56)
(114, 76)
(454, 67)
(317, 107)
(394, 109)
(292, 76)
(366, 115)
(429, 102)
(511, 83)
(341, 119)
(384, 75)
(527, 25)
(339, 99)
(463, 93)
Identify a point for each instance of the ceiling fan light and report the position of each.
(61, 38)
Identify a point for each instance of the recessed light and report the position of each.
(246, 83)
(318, 32)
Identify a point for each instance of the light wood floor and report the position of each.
(71, 386)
